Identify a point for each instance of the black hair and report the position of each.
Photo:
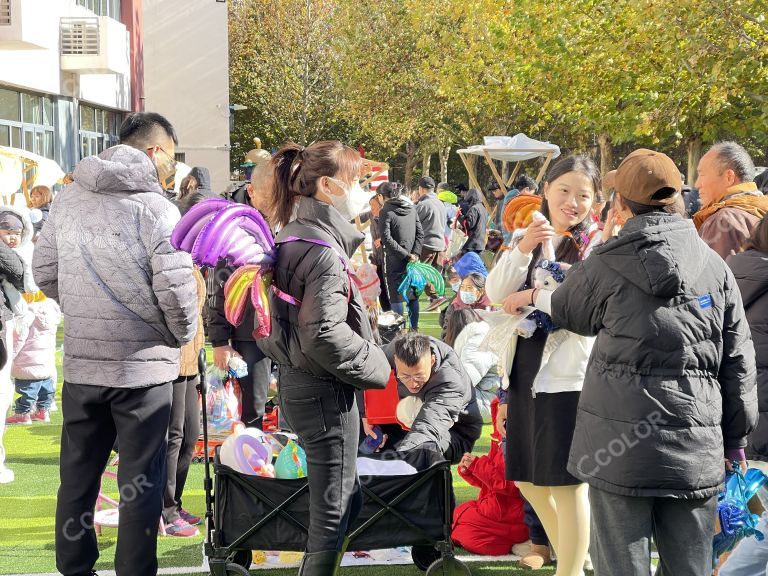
(457, 321)
(410, 348)
(677, 207)
(571, 249)
(137, 129)
(761, 181)
(524, 181)
(390, 189)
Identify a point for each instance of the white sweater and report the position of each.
(566, 354)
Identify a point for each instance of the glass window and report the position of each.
(9, 105)
(5, 135)
(31, 107)
(99, 120)
(47, 111)
(16, 136)
(48, 145)
(29, 140)
(87, 118)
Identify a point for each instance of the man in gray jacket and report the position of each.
(670, 387)
(129, 302)
(431, 212)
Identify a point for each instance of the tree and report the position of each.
(281, 58)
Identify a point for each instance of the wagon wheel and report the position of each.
(243, 557)
(237, 570)
(424, 556)
(448, 566)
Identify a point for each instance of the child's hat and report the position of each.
(10, 221)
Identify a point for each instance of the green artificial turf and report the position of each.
(28, 504)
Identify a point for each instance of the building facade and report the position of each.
(71, 70)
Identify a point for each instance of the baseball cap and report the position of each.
(426, 182)
(647, 177)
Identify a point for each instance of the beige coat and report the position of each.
(189, 352)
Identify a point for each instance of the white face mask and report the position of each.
(467, 297)
(455, 286)
(352, 202)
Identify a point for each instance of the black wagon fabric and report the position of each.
(242, 501)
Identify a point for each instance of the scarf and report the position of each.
(741, 196)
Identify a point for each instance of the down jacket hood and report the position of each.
(401, 206)
(25, 250)
(472, 197)
(203, 177)
(643, 254)
(120, 169)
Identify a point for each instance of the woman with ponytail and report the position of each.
(321, 338)
(547, 371)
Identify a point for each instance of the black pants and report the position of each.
(536, 531)
(94, 416)
(323, 414)
(622, 527)
(383, 296)
(183, 432)
(254, 387)
(431, 257)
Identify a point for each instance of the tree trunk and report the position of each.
(443, 153)
(426, 161)
(410, 162)
(694, 155)
(606, 153)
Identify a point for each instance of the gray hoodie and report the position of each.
(129, 299)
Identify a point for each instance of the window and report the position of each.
(111, 8)
(99, 130)
(27, 122)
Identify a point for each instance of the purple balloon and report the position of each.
(190, 219)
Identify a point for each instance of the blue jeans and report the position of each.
(34, 393)
(413, 311)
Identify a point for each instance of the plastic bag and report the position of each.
(736, 520)
(504, 331)
(222, 403)
(368, 282)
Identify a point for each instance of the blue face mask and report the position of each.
(468, 297)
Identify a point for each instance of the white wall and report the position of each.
(38, 68)
(186, 78)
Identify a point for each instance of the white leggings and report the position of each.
(563, 510)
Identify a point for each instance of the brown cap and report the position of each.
(643, 173)
(609, 180)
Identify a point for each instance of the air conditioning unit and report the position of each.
(93, 45)
(23, 26)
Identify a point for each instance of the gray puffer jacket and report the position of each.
(751, 271)
(129, 299)
(671, 379)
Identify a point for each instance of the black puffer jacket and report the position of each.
(671, 378)
(449, 400)
(220, 331)
(401, 236)
(475, 222)
(328, 334)
(751, 271)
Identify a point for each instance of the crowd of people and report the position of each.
(615, 414)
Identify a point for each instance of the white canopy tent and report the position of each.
(517, 148)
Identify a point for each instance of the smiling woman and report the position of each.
(547, 371)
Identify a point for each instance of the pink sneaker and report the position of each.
(41, 416)
(190, 518)
(19, 418)
(181, 528)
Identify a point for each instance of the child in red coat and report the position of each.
(494, 522)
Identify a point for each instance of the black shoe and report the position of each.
(320, 563)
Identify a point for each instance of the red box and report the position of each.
(381, 405)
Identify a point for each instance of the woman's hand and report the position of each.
(538, 232)
(377, 243)
(515, 302)
(413, 258)
(222, 356)
(613, 223)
